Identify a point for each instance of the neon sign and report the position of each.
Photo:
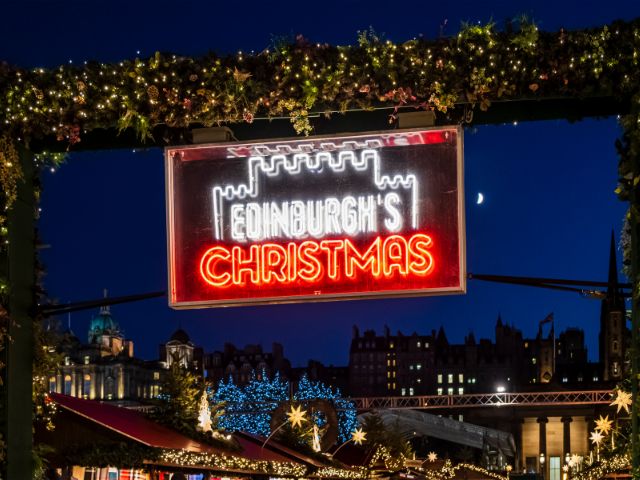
(367, 215)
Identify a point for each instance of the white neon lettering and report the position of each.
(312, 218)
(237, 222)
(298, 219)
(349, 215)
(394, 222)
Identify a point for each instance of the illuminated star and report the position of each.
(296, 416)
(565, 468)
(432, 457)
(358, 436)
(596, 437)
(623, 400)
(603, 424)
(509, 468)
(576, 459)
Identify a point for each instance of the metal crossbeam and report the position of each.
(528, 399)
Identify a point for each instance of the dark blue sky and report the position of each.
(549, 205)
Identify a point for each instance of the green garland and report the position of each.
(478, 66)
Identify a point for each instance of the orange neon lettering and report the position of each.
(394, 252)
(314, 261)
(208, 264)
(369, 260)
(421, 262)
(312, 270)
(292, 262)
(273, 263)
(332, 247)
(243, 266)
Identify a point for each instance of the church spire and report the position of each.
(613, 267)
(105, 310)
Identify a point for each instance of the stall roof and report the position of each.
(135, 426)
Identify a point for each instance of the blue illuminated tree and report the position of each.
(249, 408)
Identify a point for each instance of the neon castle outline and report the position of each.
(304, 161)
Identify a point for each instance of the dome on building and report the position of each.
(180, 336)
(103, 324)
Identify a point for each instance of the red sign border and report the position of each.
(462, 251)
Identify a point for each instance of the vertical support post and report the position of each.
(17, 404)
(634, 223)
(542, 445)
(566, 437)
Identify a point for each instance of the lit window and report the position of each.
(419, 366)
(533, 360)
(394, 362)
(579, 379)
(388, 386)
(461, 418)
(439, 378)
(460, 391)
(410, 367)
(156, 375)
(565, 379)
(67, 361)
(460, 378)
(440, 391)
(426, 345)
(388, 362)
(391, 345)
(419, 380)
(418, 345)
(394, 374)
(404, 392)
(474, 381)
(388, 374)
(86, 359)
(411, 391)
(52, 384)
(450, 378)
(595, 379)
(450, 391)
(394, 385)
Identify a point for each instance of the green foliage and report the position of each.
(179, 402)
(301, 80)
(388, 436)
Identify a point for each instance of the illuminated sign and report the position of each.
(376, 214)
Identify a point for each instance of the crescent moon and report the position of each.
(480, 198)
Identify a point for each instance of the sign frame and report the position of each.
(323, 297)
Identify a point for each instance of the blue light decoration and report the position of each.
(248, 408)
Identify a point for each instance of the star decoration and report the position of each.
(596, 437)
(623, 401)
(603, 424)
(432, 457)
(509, 468)
(571, 464)
(296, 416)
(576, 459)
(358, 436)
(565, 468)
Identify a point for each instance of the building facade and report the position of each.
(241, 364)
(105, 367)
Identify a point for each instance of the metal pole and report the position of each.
(17, 404)
(634, 222)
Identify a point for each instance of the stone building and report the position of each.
(105, 367)
(241, 364)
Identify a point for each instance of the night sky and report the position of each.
(549, 204)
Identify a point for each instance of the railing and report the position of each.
(529, 399)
